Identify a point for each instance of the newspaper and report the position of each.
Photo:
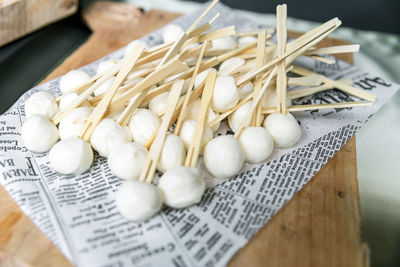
(78, 213)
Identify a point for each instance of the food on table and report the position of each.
(173, 153)
(172, 33)
(226, 94)
(39, 134)
(257, 144)
(73, 79)
(41, 103)
(144, 125)
(285, 129)
(74, 122)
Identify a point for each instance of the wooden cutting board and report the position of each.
(319, 226)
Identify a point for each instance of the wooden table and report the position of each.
(319, 226)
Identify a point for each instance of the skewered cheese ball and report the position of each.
(144, 125)
(171, 33)
(285, 130)
(187, 131)
(126, 161)
(233, 60)
(107, 135)
(138, 201)
(104, 87)
(116, 114)
(182, 187)
(226, 43)
(73, 79)
(257, 144)
(41, 103)
(39, 134)
(236, 118)
(224, 157)
(159, 104)
(193, 113)
(225, 94)
(201, 77)
(67, 99)
(71, 156)
(131, 45)
(245, 90)
(269, 98)
(74, 122)
(173, 153)
(106, 65)
(245, 40)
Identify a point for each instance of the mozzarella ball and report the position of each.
(67, 99)
(171, 33)
(108, 135)
(144, 125)
(159, 104)
(236, 118)
(225, 94)
(131, 45)
(173, 153)
(201, 77)
(73, 79)
(285, 129)
(193, 113)
(138, 201)
(257, 144)
(74, 122)
(71, 156)
(187, 131)
(41, 103)
(126, 161)
(104, 87)
(226, 43)
(269, 99)
(246, 40)
(227, 63)
(116, 114)
(245, 90)
(224, 157)
(182, 187)
(39, 134)
(106, 65)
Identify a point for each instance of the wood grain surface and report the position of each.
(20, 17)
(319, 226)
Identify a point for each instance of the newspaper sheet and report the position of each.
(78, 213)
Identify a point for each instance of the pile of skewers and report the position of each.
(159, 107)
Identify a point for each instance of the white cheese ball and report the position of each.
(236, 118)
(201, 77)
(74, 122)
(159, 104)
(246, 40)
(138, 201)
(257, 144)
(245, 90)
(193, 113)
(71, 156)
(41, 103)
(116, 114)
(182, 187)
(67, 99)
(269, 99)
(106, 65)
(73, 79)
(144, 125)
(39, 134)
(173, 153)
(226, 43)
(104, 87)
(233, 60)
(107, 135)
(224, 157)
(187, 131)
(285, 130)
(131, 45)
(225, 94)
(126, 161)
(171, 33)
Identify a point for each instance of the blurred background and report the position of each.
(375, 24)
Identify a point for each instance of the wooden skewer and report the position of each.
(339, 85)
(156, 92)
(195, 144)
(199, 30)
(320, 106)
(80, 88)
(101, 109)
(214, 18)
(189, 90)
(205, 12)
(130, 109)
(193, 52)
(324, 59)
(231, 68)
(261, 41)
(339, 49)
(174, 50)
(313, 90)
(224, 115)
(309, 80)
(249, 33)
(153, 156)
(209, 36)
(281, 14)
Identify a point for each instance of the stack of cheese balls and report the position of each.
(126, 145)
